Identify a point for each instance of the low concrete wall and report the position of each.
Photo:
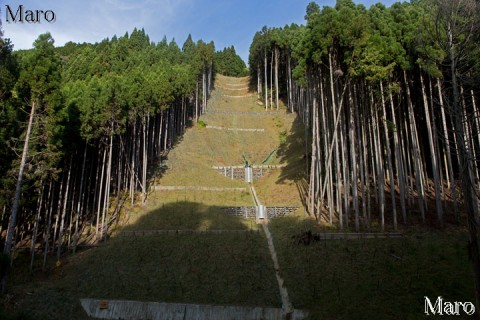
(235, 129)
(129, 310)
(150, 233)
(277, 212)
(353, 235)
(241, 212)
(242, 96)
(246, 113)
(238, 172)
(198, 188)
(250, 212)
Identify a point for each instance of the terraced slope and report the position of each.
(216, 259)
(143, 261)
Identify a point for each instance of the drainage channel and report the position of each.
(287, 306)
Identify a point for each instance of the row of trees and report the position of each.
(82, 127)
(229, 63)
(389, 97)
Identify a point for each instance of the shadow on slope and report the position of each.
(292, 152)
(221, 269)
(371, 278)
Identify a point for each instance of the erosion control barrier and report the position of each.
(251, 212)
(236, 129)
(196, 188)
(240, 172)
(245, 113)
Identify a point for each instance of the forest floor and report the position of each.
(332, 279)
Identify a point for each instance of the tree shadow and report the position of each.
(157, 166)
(182, 214)
(389, 273)
(252, 85)
(292, 152)
(233, 267)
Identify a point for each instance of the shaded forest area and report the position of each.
(389, 98)
(82, 128)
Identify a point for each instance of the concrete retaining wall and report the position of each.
(238, 172)
(129, 310)
(251, 212)
(198, 188)
(246, 113)
(150, 233)
(235, 129)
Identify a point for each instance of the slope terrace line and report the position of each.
(242, 96)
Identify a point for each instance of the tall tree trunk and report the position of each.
(64, 212)
(46, 233)
(57, 215)
(144, 163)
(336, 119)
(276, 76)
(100, 193)
(81, 197)
(367, 214)
(259, 81)
(378, 162)
(35, 228)
(314, 160)
(196, 106)
(398, 158)
(289, 76)
(353, 158)
(327, 159)
(271, 81)
(266, 79)
(106, 201)
(133, 182)
(433, 154)
(345, 166)
(389, 159)
(416, 150)
(18, 188)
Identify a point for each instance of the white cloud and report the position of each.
(93, 20)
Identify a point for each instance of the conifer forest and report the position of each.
(373, 115)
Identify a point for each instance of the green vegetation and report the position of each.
(371, 278)
(387, 97)
(169, 268)
(229, 63)
(98, 115)
(370, 111)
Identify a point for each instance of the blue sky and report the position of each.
(227, 22)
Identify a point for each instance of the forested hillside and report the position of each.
(364, 123)
(389, 97)
(228, 63)
(90, 121)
